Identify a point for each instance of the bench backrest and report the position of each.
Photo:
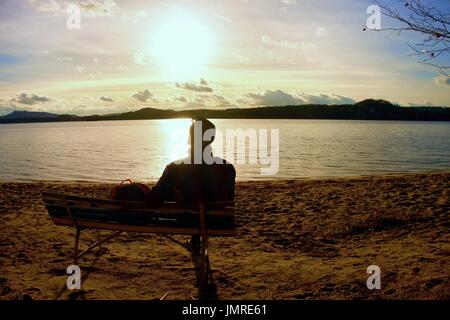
(174, 218)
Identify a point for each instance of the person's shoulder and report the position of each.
(175, 166)
(178, 162)
(228, 165)
(218, 160)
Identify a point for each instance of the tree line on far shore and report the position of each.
(369, 109)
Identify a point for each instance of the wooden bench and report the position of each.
(202, 219)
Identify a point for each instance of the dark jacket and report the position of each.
(183, 182)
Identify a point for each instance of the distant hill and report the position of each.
(145, 113)
(29, 115)
(369, 109)
(34, 116)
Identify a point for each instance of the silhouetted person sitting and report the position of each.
(200, 177)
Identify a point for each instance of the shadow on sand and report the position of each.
(206, 288)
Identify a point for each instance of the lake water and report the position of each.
(115, 150)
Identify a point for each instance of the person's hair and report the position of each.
(206, 125)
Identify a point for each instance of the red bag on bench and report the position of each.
(131, 191)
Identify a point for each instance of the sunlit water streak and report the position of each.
(115, 150)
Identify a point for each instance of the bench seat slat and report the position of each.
(57, 196)
(137, 228)
(141, 217)
(163, 210)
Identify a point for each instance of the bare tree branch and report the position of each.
(431, 23)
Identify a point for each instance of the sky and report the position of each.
(121, 56)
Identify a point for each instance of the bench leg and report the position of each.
(98, 244)
(204, 261)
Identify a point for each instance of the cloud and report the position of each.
(202, 87)
(424, 104)
(240, 58)
(204, 101)
(274, 98)
(194, 105)
(289, 1)
(292, 45)
(122, 68)
(221, 101)
(65, 58)
(6, 108)
(89, 8)
(223, 18)
(282, 98)
(143, 95)
(181, 99)
(80, 69)
(94, 8)
(106, 99)
(200, 99)
(46, 5)
(141, 59)
(241, 101)
(30, 99)
(326, 99)
(442, 80)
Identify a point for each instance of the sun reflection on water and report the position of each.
(174, 140)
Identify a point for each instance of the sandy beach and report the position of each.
(299, 239)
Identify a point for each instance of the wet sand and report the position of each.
(299, 239)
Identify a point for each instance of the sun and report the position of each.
(182, 45)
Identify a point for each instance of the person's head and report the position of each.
(201, 133)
